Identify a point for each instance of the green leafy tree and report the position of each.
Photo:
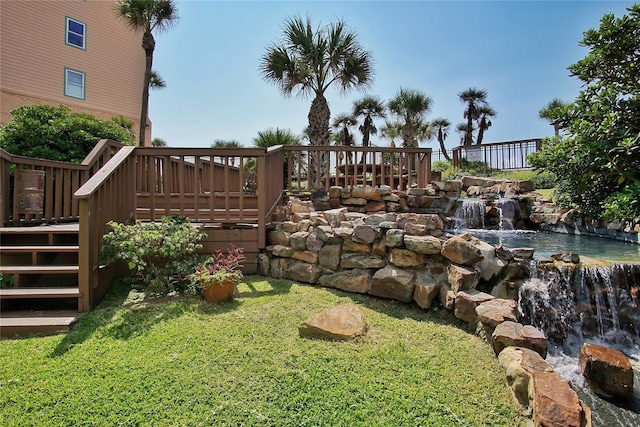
(596, 160)
(473, 98)
(368, 108)
(310, 60)
(57, 133)
(441, 128)
(409, 108)
(147, 16)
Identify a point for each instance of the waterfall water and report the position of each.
(509, 210)
(587, 301)
(577, 303)
(470, 214)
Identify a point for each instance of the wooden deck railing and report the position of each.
(499, 155)
(109, 195)
(36, 190)
(310, 168)
(204, 184)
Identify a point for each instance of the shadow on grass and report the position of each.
(101, 315)
(255, 286)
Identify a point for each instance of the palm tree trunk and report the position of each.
(319, 115)
(443, 149)
(149, 45)
(480, 135)
(468, 137)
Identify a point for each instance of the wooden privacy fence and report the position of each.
(499, 155)
(36, 190)
(308, 168)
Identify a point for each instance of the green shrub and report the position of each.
(159, 254)
(623, 204)
(57, 133)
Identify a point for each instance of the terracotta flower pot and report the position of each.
(219, 292)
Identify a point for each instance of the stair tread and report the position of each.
(39, 248)
(41, 292)
(39, 318)
(38, 269)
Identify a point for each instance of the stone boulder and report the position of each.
(345, 322)
(349, 280)
(394, 283)
(466, 303)
(405, 258)
(555, 404)
(512, 334)
(493, 312)
(461, 278)
(539, 388)
(303, 272)
(607, 371)
(428, 245)
(361, 260)
(329, 257)
(425, 293)
(366, 192)
(461, 250)
(519, 365)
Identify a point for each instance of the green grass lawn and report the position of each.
(178, 361)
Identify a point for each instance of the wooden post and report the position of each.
(85, 264)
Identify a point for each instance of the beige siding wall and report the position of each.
(34, 56)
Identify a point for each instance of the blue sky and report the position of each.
(518, 51)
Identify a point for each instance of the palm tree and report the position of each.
(221, 143)
(410, 107)
(159, 142)
(311, 60)
(473, 98)
(554, 111)
(369, 108)
(462, 128)
(341, 124)
(484, 121)
(273, 137)
(147, 16)
(441, 127)
(391, 130)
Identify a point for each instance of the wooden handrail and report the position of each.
(109, 195)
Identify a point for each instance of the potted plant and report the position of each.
(219, 274)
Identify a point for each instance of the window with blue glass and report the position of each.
(76, 33)
(74, 83)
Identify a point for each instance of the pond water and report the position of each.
(546, 244)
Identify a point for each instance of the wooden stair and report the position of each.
(39, 293)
